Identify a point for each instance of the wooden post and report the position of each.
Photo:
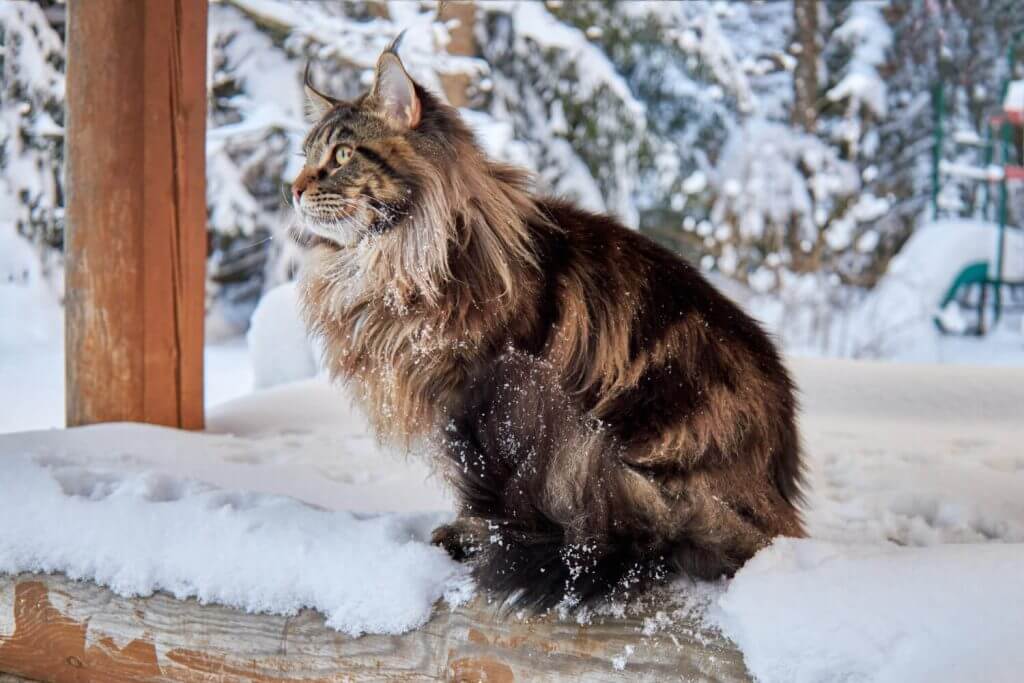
(136, 211)
(462, 43)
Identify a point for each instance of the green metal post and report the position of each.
(987, 189)
(1006, 142)
(938, 111)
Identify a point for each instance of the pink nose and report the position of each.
(296, 194)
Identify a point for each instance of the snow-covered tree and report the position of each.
(31, 129)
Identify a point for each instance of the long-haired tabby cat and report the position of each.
(608, 418)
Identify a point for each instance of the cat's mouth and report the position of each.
(342, 224)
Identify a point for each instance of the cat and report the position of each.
(606, 417)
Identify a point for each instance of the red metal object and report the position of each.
(1012, 116)
(1013, 172)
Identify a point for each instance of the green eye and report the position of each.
(342, 154)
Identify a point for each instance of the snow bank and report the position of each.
(938, 251)
(916, 518)
(896, 318)
(279, 347)
(813, 611)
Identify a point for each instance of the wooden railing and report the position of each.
(54, 629)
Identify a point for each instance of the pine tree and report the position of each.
(32, 129)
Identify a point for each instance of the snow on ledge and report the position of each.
(142, 532)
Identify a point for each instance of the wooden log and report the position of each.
(53, 629)
(136, 211)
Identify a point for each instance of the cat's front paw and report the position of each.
(457, 539)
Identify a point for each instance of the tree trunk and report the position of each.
(805, 78)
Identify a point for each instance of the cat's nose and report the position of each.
(299, 188)
(300, 185)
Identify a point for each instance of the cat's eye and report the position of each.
(342, 155)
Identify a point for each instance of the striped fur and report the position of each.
(608, 417)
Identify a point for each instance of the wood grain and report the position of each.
(55, 630)
(136, 211)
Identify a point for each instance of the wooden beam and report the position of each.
(53, 629)
(136, 211)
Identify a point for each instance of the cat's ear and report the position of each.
(317, 103)
(395, 91)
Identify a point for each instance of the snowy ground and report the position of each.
(917, 523)
(916, 510)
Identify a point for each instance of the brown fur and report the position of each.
(603, 408)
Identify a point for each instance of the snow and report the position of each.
(285, 502)
(894, 320)
(279, 346)
(31, 330)
(968, 137)
(533, 21)
(917, 532)
(138, 533)
(869, 35)
(898, 312)
(818, 611)
(991, 173)
(619, 661)
(770, 177)
(30, 310)
(1014, 100)
(695, 183)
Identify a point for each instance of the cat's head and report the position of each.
(397, 173)
(371, 162)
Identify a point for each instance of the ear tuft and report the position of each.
(397, 43)
(317, 103)
(395, 91)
